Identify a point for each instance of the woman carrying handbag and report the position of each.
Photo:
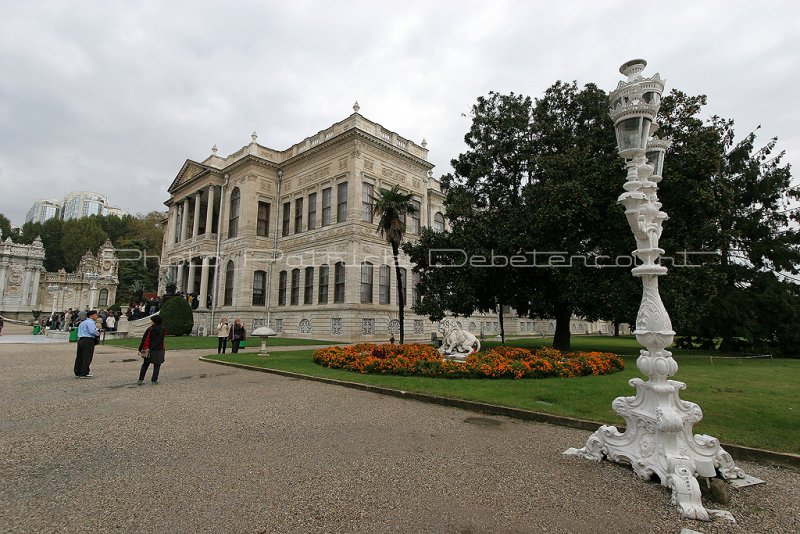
(152, 349)
(237, 335)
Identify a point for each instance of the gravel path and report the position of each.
(217, 449)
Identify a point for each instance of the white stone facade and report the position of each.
(21, 268)
(25, 286)
(308, 208)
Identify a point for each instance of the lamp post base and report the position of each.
(658, 441)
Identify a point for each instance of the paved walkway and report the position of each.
(217, 449)
(29, 340)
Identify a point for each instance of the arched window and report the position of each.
(233, 217)
(102, 300)
(384, 284)
(438, 222)
(229, 270)
(295, 286)
(366, 283)
(259, 283)
(282, 289)
(308, 294)
(415, 218)
(323, 284)
(414, 290)
(338, 288)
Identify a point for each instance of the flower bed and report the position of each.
(500, 362)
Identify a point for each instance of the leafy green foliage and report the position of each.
(541, 177)
(5, 228)
(732, 200)
(545, 176)
(80, 236)
(392, 206)
(137, 239)
(177, 315)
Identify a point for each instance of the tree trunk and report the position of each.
(616, 328)
(561, 338)
(502, 327)
(400, 295)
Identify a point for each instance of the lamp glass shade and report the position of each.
(630, 133)
(656, 159)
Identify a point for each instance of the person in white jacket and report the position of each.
(223, 329)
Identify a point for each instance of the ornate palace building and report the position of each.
(25, 286)
(295, 238)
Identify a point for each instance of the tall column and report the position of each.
(173, 217)
(185, 220)
(209, 213)
(26, 287)
(223, 209)
(3, 274)
(190, 279)
(179, 277)
(35, 287)
(196, 223)
(203, 296)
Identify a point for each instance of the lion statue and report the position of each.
(457, 343)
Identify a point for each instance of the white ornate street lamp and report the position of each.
(658, 437)
(57, 291)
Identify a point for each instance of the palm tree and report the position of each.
(392, 206)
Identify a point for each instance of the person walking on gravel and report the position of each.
(88, 336)
(153, 343)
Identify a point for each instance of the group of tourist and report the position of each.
(152, 346)
(234, 332)
(105, 319)
(139, 310)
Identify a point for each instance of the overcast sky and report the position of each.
(115, 96)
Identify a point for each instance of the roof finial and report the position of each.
(214, 150)
(254, 136)
(356, 107)
(424, 143)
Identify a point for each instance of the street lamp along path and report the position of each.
(658, 438)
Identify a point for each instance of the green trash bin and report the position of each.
(73, 334)
(36, 329)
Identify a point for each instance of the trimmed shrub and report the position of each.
(177, 315)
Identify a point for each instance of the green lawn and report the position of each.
(189, 342)
(750, 402)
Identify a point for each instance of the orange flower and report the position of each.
(500, 362)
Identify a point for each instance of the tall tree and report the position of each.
(52, 234)
(5, 227)
(538, 182)
(81, 236)
(392, 206)
(732, 201)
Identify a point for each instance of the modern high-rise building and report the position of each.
(79, 204)
(42, 210)
(118, 212)
(76, 204)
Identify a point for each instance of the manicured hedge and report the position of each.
(177, 316)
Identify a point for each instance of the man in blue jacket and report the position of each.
(87, 338)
